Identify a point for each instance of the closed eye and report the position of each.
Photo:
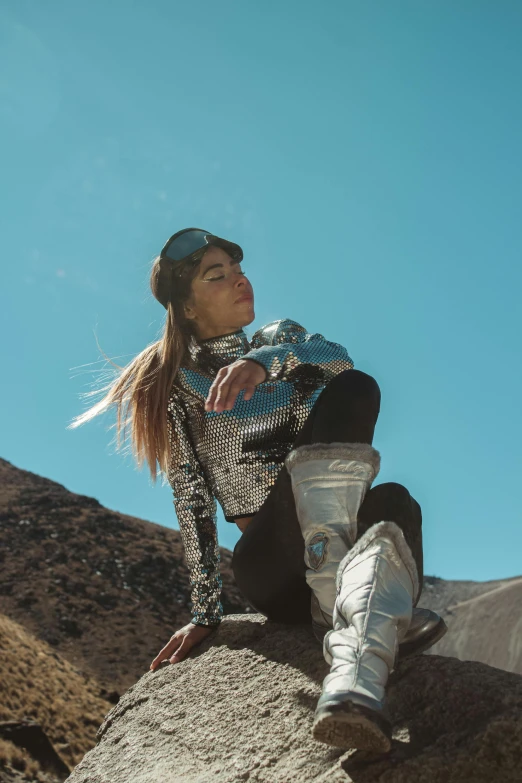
(240, 272)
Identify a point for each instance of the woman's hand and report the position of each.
(242, 374)
(180, 644)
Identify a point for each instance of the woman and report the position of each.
(279, 429)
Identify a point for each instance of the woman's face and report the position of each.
(222, 299)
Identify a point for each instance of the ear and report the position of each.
(189, 315)
(189, 312)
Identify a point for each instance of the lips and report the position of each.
(246, 298)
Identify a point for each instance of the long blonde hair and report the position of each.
(141, 389)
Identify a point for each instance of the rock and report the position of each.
(30, 735)
(240, 708)
(486, 628)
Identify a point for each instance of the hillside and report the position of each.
(485, 626)
(39, 685)
(106, 590)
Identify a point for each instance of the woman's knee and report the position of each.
(355, 383)
(391, 501)
(396, 494)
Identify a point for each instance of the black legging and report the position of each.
(268, 560)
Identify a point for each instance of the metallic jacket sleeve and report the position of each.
(284, 345)
(196, 511)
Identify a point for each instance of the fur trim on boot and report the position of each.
(392, 530)
(337, 450)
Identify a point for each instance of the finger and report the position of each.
(249, 391)
(233, 391)
(221, 394)
(238, 382)
(166, 652)
(209, 403)
(214, 389)
(180, 653)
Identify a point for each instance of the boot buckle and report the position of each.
(316, 550)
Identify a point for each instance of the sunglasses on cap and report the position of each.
(183, 245)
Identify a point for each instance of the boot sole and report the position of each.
(350, 725)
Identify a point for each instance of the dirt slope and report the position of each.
(106, 590)
(39, 685)
(486, 628)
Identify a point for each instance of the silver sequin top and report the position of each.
(235, 455)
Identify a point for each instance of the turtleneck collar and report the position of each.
(225, 346)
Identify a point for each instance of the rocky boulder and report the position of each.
(240, 708)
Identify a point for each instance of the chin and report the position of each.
(248, 317)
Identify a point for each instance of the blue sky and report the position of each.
(365, 155)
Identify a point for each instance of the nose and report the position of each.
(243, 282)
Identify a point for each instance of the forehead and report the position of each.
(215, 255)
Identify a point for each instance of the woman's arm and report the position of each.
(196, 511)
(282, 346)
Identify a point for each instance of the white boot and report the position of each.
(329, 482)
(376, 583)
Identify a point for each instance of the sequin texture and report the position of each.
(235, 456)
